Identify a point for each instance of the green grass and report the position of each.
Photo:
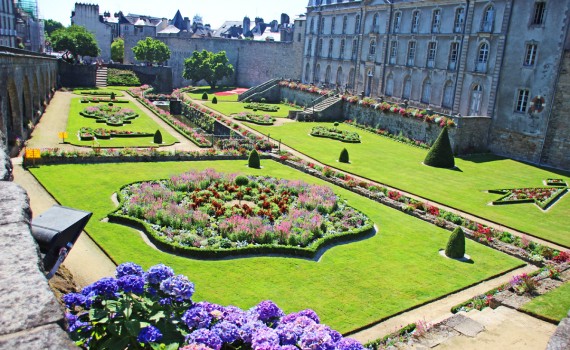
(115, 89)
(553, 305)
(198, 91)
(143, 123)
(229, 108)
(400, 165)
(352, 284)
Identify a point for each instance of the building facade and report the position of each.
(7, 23)
(469, 57)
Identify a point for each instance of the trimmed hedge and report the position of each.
(456, 245)
(343, 158)
(253, 160)
(122, 77)
(440, 154)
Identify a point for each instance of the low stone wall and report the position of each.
(77, 75)
(159, 77)
(30, 316)
(560, 340)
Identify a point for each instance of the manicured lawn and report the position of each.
(143, 123)
(553, 305)
(229, 108)
(350, 286)
(400, 165)
(197, 93)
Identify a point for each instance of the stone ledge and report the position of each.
(46, 337)
(14, 204)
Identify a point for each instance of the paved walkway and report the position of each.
(88, 263)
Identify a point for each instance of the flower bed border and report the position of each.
(561, 191)
(103, 100)
(248, 119)
(385, 133)
(333, 136)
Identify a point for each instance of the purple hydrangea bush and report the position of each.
(154, 310)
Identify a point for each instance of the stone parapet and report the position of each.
(560, 340)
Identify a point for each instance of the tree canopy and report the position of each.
(75, 41)
(51, 26)
(212, 67)
(151, 51)
(118, 50)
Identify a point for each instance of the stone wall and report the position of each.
(560, 340)
(77, 75)
(30, 316)
(159, 77)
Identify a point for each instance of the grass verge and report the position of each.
(553, 305)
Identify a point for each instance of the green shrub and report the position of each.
(122, 78)
(253, 161)
(456, 245)
(158, 137)
(204, 96)
(241, 180)
(112, 95)
(343, 156)
(214, 100)
(110, 104)
(440, 154)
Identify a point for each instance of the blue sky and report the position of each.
(213, 12)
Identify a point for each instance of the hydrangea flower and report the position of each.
(74, 299)
(106, 287)
(264, 338)
(310, 314)
(289, 333)
(206, 337)
(195, 346)
(129, 269)
(149, 334)
(267, 311)
(131, 284)
(349, 344)
(75, 324)
(246, 331)
(235, 315)
(179, 287)
(227, 331)
(317, 337)
(197, 317)
(158, 273)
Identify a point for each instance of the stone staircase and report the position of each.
(101, 79)
(258, 89)
(320, 107)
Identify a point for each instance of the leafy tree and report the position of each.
(75, 41)
(212, 67)
(51, 26)
(151, 50)
(118, 50)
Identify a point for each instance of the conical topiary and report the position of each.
(343, 156)
(204, 96)
(214, 100)
(158, 137)
(253, 161)
(456, 245)
(440, 154)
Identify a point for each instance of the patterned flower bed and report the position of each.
(100, 99)
(87, 133)
(555, 182)
(154, 310)
(244, 144)
(254, 118)
(261, 107)
(334, 133)
(386, 133)
(543, 197)
(111, 115)
(210, 211)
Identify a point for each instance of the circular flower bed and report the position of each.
(210, 211)
(336, 134)
(254, 118)
(112, 115)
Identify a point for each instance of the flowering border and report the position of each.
(556, 195)
(386, 133)
(335, 134)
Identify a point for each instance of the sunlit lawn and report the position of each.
(229, 108)
(400, 165)
(199, 91)
(143, 123)
(352, 285)
(553, 305)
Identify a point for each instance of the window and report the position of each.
(354, 48)
(393, 52)
(307, 72)
(538, 13)
(330, 48)
(476, 99)
(397, 21)
(309, 47)
(431, 54)
(415, 21)
(459, 19)
(436, 21)
(411, 53)
(447, 95)
(333, 25)
(328, 75)
(488, 20)
(322, 25)
(320, 48)
(339, 76)
(407, 88)
(313, 25)
(453, 52)
(426, 91)
(372, 49)
(342, 43)
(389, 91)
(344, 24)
(350, 77)
(317, 74)
(530, 56)
(522, 100)
(357, 24)
(482, 58)
(375, 25)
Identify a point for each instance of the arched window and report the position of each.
(342, 44)
(372, 49)
(482, 58)
(375, 24)
(476, 99)
(354, 48)
(488, 19)
(426, 91)
(415, 21)
(397, 22)
(407, 91)
(307, 72)
(330, 48)
(389, 91)
(333, 25)
(320, 48)
(357, 24)
(322, 25)
(317, 73)
(459, 20)
(328, 75)
(447, 101)
(309, 47)
(344, 24)
(350, 77)
(339, 76)
(312, 25)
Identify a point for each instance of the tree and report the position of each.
(51, 26)
(75, 41)
(343, 158)
(253, 160)
(456, 245)
(440, 154)
(151, 51)
(118, 50)
(212, 67)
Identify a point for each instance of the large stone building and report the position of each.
(468, 57)
(7, 23)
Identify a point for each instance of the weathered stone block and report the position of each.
(46, 337)
(14, 205)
